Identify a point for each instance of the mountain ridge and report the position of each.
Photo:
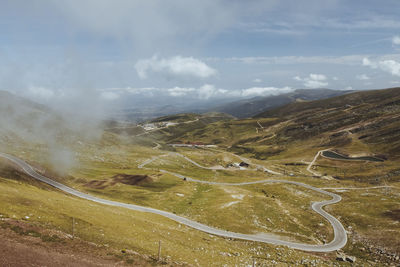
(250, 107)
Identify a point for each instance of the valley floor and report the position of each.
(146, 176)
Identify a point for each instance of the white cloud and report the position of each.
(367, 62)
(315, 84)
(303, 24)
(148, 24)
(204, 92)
(147, 91)
(109, 95)
(317, 77)
(390, 66)
(265, 91)
(313, 80)
(351, 60)
(348, 60)
(40, 92)
(178, 66)
(208, 90)
(367, 23)
(257, 80)
(362, 77)
(396, 40)
(179, 91)
(335, 78)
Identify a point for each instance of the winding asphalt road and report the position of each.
(339, 240)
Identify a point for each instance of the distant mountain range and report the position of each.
(363, 121)
(240, 108)
(250, 107)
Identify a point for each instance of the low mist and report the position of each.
(53, 135)
(62, 159)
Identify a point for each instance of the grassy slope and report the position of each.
(358, 124)
(259, 211)
(362, 123)
(275, 210)
(371, 115)
(123, 229)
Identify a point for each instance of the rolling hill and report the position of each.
(286, 140)
(362, 123)
(251, 107)
(372, 115)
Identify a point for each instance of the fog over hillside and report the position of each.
(24, 122)
(136, 60)
(91, 57)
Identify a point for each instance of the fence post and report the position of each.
(73, 227)
(159, 250)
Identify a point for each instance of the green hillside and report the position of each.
(364, 123)
(107, 162)
(250, 107)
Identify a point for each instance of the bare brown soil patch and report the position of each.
(393, 214)
(24, 244)
(132, 179)
(128, 179)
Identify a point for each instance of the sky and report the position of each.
(84, 53)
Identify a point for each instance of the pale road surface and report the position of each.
(357, 188)
(249, 161)
(222, 168)
(313, 162)
(339, 240)
(164, 127)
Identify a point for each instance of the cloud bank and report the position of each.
(204, 92)
(396, 40)
(390, 66)
(362, 77)
(313, 80)
(175, 66)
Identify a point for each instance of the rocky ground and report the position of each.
(23, 244)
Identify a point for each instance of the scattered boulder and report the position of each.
(343, 257)
(340, 257)
(244, 164)
(350, 259)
